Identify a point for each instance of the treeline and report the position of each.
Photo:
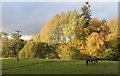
(70, 35)
(10, 47)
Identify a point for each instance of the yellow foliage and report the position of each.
(94, 44)
(113, 25)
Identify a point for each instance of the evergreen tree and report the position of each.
(86, 12)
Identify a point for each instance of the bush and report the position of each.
(41, 50)
(108, 54)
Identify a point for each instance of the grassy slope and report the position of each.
(38, 66)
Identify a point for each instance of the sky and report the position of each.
(30, 17)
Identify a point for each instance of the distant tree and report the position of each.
(6, 51)
(104, 21)
(34, 49)
(86, 13)
(3, 34)
(16, 44)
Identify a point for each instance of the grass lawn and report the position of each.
(41, 66)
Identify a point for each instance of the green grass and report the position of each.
(39, 66)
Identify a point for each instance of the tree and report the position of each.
(34, 49)
(16, 44)
(50, 32)
(112, 39)
(36, 37)
(68, 51)
(82, 31)
(60, 28)
(29, 50)
(86, 13)
(6, 51)
(3, 35)
(104, 21)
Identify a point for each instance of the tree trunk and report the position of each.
(17, 56)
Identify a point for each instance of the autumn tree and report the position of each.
(61, 28)
(82, 31)
(50, 32)
(96, 40)
(68, 51)
(112, 52)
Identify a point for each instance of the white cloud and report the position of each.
(27, 37)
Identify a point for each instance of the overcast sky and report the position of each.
(30, 17)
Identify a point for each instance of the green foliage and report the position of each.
(3, 35)
(41, 50)
(16, 44)
(112, 39)
(108, 54)
(86, 14)
(29, 50)
(104, 21)
(9, 46)
(6, 51)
